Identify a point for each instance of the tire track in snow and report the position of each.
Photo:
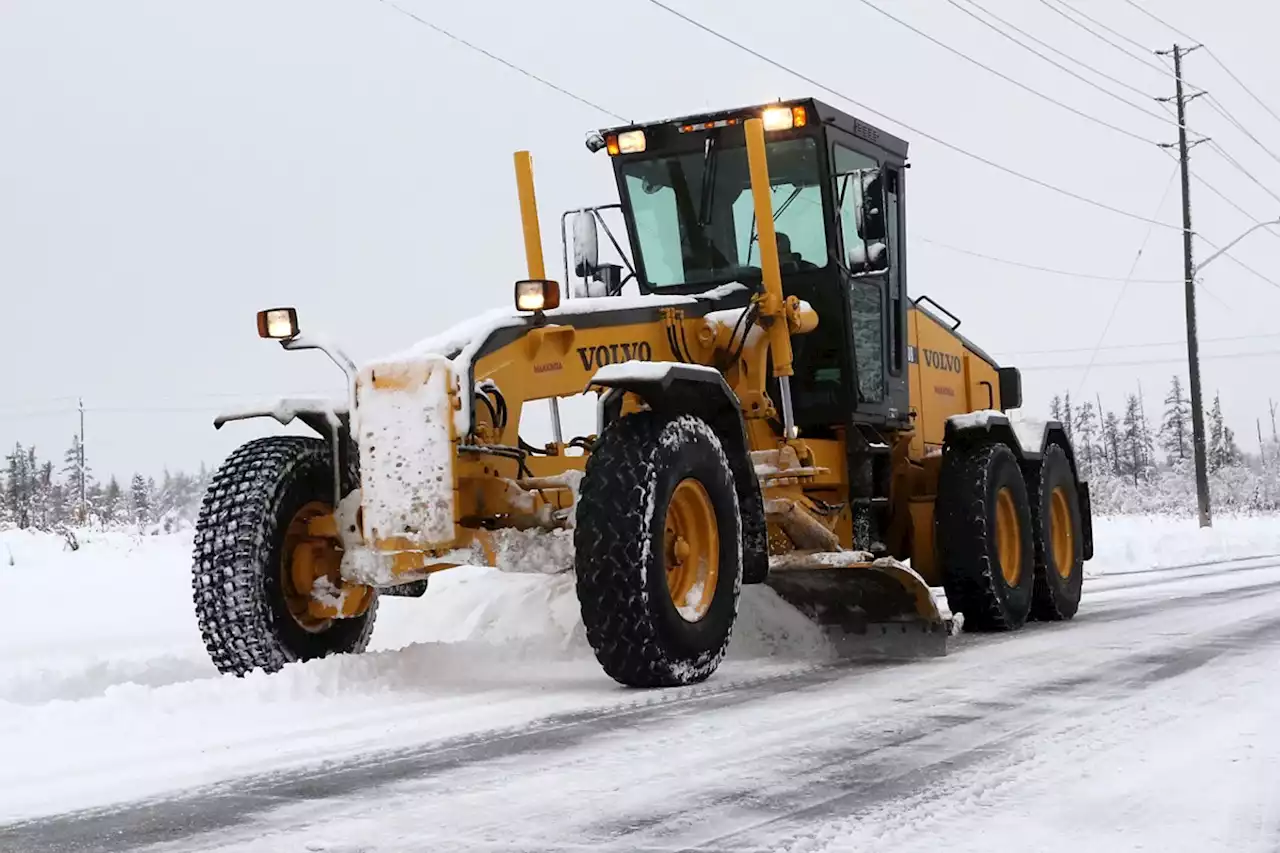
(235, 804)
(893, 800)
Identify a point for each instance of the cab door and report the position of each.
(863, 247)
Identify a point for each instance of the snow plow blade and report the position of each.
(868, 610)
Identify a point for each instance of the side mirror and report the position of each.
(586, 244)
(861, 198)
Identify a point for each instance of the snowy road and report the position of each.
(1146, 724)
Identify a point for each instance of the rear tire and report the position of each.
(652, 473)
(1059, 540)
(984, 537)
(238, 579)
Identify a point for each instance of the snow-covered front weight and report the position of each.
(242, 578)
(658, 550)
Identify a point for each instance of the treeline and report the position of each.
(38, 494)
(1134, 468)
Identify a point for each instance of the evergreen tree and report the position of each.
(19, 487)
(139, 500)
(76, 469)
(1175, 429)
(1111, 441)
(1134, 441)
(1068, 415)
(108, 507)
(1217, 450)
(1086, 436)
(1055, 407)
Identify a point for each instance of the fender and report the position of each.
(668, 386)
(1028, 439)
(330, 419)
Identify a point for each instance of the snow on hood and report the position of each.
(461, 342)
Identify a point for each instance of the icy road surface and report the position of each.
(1146, 724)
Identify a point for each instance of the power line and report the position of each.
(1139, 45)
(1143, 60)
(1142, 362)
(1211, 188)
(1049, 270)
(1241, 169)
(920, 133)
(1082, 114)
(1059, 52)
(442, 31)
(1115, 306)
(1216, 105)
(1058, 65)
(1149, 345)
(1153, 16)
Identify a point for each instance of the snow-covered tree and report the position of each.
(1175, 428)
(75, 467)
(1068, 415)
(139, 500)
(109, 506)
(1111, 441)
(1135, 456)
(1086, 436)
(1222, 452)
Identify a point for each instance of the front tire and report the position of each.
(984, 537)
(658, 550)
(241, 579)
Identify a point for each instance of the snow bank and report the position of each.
(1135, 543)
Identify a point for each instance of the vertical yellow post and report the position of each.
(529, 215)
(772, 310)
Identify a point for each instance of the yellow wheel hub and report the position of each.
(1008, 537)
(311, 553)
(1061, 533)
(691, 550)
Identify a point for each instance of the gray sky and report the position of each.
(167, 168)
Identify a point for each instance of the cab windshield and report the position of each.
(695, 220)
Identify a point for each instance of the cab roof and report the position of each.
(823, 112)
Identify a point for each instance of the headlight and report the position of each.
(784, 118)
(278, 323)
(537, 295)
(631, 142)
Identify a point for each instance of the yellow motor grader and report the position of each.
(771, 408)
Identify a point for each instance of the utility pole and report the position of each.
(1189, 270)
(84, 512)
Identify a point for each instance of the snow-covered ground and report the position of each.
(107, 696)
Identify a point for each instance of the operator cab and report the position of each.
(836, 186)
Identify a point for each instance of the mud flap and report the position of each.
(869, 610)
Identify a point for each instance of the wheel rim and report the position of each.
(304, 559)
(691, 550)
(1061, 533)
(1008, 537)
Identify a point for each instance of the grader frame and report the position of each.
(889, 457)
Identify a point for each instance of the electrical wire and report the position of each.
(1081, 113)
(1115, 306)
(1143, 60)
(1059, 65)
(1214, 104)
(1059, 52)
(1153, 16)
(914, 130)
(1141, 362)
(1149, 345)
(1049, 270)
(442, 31)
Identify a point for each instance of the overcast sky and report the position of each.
(169, 167)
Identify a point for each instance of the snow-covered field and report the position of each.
(107, 696)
